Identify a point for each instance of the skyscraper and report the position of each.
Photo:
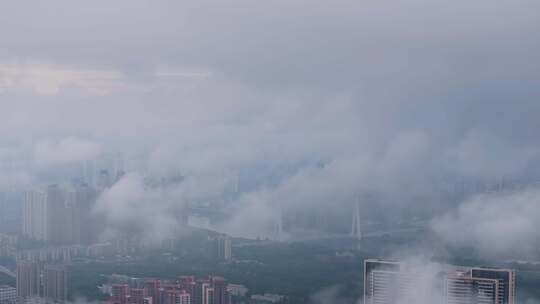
(152, 287)
(224, 248)
(356, 230)
(57, 214)
(137, 295)
(506, 279)
(43, 214)
(120, 293)
(60, 215)
(461, 288)
(35, 215)
(183, 297)
(204, 293)
(381, 281)
(220, 290)
(28, 279)
(55, 283)
(84, 224)
(391, 282)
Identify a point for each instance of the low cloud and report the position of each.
(132, 208)
(494, 224)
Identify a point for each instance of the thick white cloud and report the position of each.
(494, 224)
(130, 208)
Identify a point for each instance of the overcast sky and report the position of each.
(387, 93)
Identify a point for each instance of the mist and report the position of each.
(276, 118)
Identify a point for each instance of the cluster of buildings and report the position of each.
(35, 213)
(60, 215)
(186, 290)
(391, 282)
(41, 283)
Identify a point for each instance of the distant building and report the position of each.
(137, 295)
(152, 287)
(356, 228)
(188, 284)
(175, 296)
(120, 293)
(221, 296)
(60, 215)
(8, 294)
(183, 297)
(55, 283)
(237, 290)
(224, 248)
(207, 293)
(186, 290)
(35, 215)
(390, 282)
(28, 279)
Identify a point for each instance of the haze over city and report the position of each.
(208, 152)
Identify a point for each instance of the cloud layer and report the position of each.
(495, 224)
(309, 103)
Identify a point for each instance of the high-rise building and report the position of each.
(381, 281)
(137, 295)
(221, 295)
(208, 295)
(391, 282)
(506, 279)
(183, 297)
(84, 224)
(60, 215)
(204, 293)
(188, 284)
(28, 279)
(8, 295)
(57, 214)
(224, 248)
(55, 283)
(356, 229)
(120, 293)
(152, 287)
(460, 288)
(168, 297)
(43, 214)
(237, 290)
(35, 215)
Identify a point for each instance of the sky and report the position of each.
(390, 96)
